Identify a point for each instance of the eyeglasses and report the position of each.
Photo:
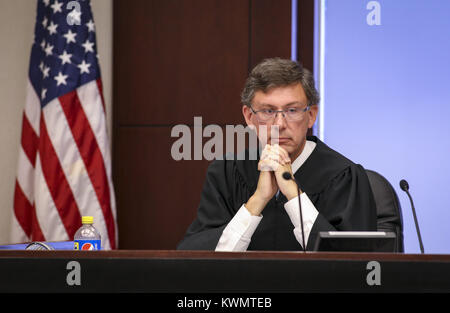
(290, 114)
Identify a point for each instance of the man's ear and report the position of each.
(247, 112)
(312, 114)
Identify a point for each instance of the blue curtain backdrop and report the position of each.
(387, 102)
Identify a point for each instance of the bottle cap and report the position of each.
(87, 220)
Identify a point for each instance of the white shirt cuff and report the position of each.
(309, 214)
(238, 233)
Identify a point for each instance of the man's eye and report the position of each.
(268, 111)
(292, 110)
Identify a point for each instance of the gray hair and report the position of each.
(276, 72)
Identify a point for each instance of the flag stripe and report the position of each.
(100, 89)
(24, 197)
(24, 172)
(90, 152)
(32, 108)
(22, 209)
(36, 231)
(26, 215)
(47, 214)
(57, 183)
(90, 99)
(17, 234)
(29, 140)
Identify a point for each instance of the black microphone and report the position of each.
(405, 187)
(288, 176)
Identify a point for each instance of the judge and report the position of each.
(249, 205)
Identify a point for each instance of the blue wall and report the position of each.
(387, 103)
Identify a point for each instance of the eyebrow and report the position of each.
(284, 106)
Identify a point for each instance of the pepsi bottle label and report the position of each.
(87, 244)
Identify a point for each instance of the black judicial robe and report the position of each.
(338, 188)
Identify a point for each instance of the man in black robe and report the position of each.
(248, 204)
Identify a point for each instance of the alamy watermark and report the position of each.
(190, 146)
(373, 278)
(74, 17)
(374, 16)
(73, 277)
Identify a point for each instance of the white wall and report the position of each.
(17, 18)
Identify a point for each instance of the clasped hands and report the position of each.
(273, 163)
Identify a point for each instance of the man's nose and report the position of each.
(280, 120)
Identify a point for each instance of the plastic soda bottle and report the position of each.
(87, 237)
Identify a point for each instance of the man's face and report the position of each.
(292, 134)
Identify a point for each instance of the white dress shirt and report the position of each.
(238, 233)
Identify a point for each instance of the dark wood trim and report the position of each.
(305, 33)
(269, 255)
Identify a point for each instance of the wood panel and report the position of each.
(270, 30)
(180, 59)
(157, 196)
(305, 34)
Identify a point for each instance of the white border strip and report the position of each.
(294, 25)
(322, 69)
(357, 233)
(319, 64)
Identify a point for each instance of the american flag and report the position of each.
(64, 165)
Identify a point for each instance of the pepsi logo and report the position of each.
(87, 246)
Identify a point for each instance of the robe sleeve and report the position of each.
(345, 204)
(222, 195)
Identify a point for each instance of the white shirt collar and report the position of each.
(307, 150)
